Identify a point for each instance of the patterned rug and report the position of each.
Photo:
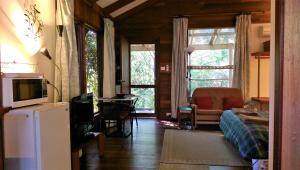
(169, 124)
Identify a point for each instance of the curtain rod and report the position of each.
(221, 13)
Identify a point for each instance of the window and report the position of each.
(211, 63)
(142, 76)
(91, 72)
(89, 61)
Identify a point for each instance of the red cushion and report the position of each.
(204, 102)
(232, 102)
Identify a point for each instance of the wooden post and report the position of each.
(1, 122)
(101, 144)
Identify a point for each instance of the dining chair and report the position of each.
(133, 111)
(117, 113)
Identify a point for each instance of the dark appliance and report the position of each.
(82, 118)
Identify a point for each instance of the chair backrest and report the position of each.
(217, 94)
(111, 110)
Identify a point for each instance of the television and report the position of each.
(82, 118)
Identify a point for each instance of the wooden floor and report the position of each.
(142, 151)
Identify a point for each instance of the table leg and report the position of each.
(75, 160)
(101, 144)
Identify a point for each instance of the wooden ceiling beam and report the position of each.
(136, 9)
(181, 9)
(194, 22)
(119, 4)
(91, 2)
(230, 1)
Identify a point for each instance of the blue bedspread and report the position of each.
(250, 139)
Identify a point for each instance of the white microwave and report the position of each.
(23, 89)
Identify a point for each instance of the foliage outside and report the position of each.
(218, 54)
(91, 69)
(142, 73)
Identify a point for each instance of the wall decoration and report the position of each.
(35, 24)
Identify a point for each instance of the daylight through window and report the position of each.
(211, 63)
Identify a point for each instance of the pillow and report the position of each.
(232, 102)
(204, 102)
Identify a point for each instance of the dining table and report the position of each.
(126, 99)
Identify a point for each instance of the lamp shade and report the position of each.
(189, 49)
(45, 52)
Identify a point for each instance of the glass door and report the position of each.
(142, 76)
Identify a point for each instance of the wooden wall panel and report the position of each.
(155, 22)
(291, 80)
(87, 13)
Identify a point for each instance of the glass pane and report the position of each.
(91, 68)
(207, 83)
(196, 31)
(146, 98)
(210, 73)
(142, 64)
(225, 39)
(200, 39)
(210, 78)
(210, 58)
(232, 30)
(212, 36)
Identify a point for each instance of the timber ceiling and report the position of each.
(122, 9)
(143, 13)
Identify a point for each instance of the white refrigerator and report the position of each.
(38, 138)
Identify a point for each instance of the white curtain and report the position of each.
(241, 74)
(109, 89)
(67, 78)
(179, 58)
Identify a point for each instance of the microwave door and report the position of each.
(27, 89)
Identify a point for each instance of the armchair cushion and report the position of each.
(204, 102)
(232, 102)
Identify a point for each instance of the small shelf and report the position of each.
(261, 99)
(261, 55)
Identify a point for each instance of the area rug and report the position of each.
(163, 166)
(169, 124)
(199, 148)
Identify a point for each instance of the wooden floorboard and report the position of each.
(142, 151)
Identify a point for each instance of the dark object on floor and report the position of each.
(185, 117)
(186, 123)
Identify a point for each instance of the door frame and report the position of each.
(278, 97)
(156, 75)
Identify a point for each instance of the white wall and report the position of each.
(21, 49)
(257, 46)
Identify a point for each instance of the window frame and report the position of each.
(190, 67)
(80, 30)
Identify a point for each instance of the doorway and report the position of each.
(142, 77)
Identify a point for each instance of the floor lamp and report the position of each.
(45, 52)
(189, 50)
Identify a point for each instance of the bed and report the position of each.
(250, 139)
